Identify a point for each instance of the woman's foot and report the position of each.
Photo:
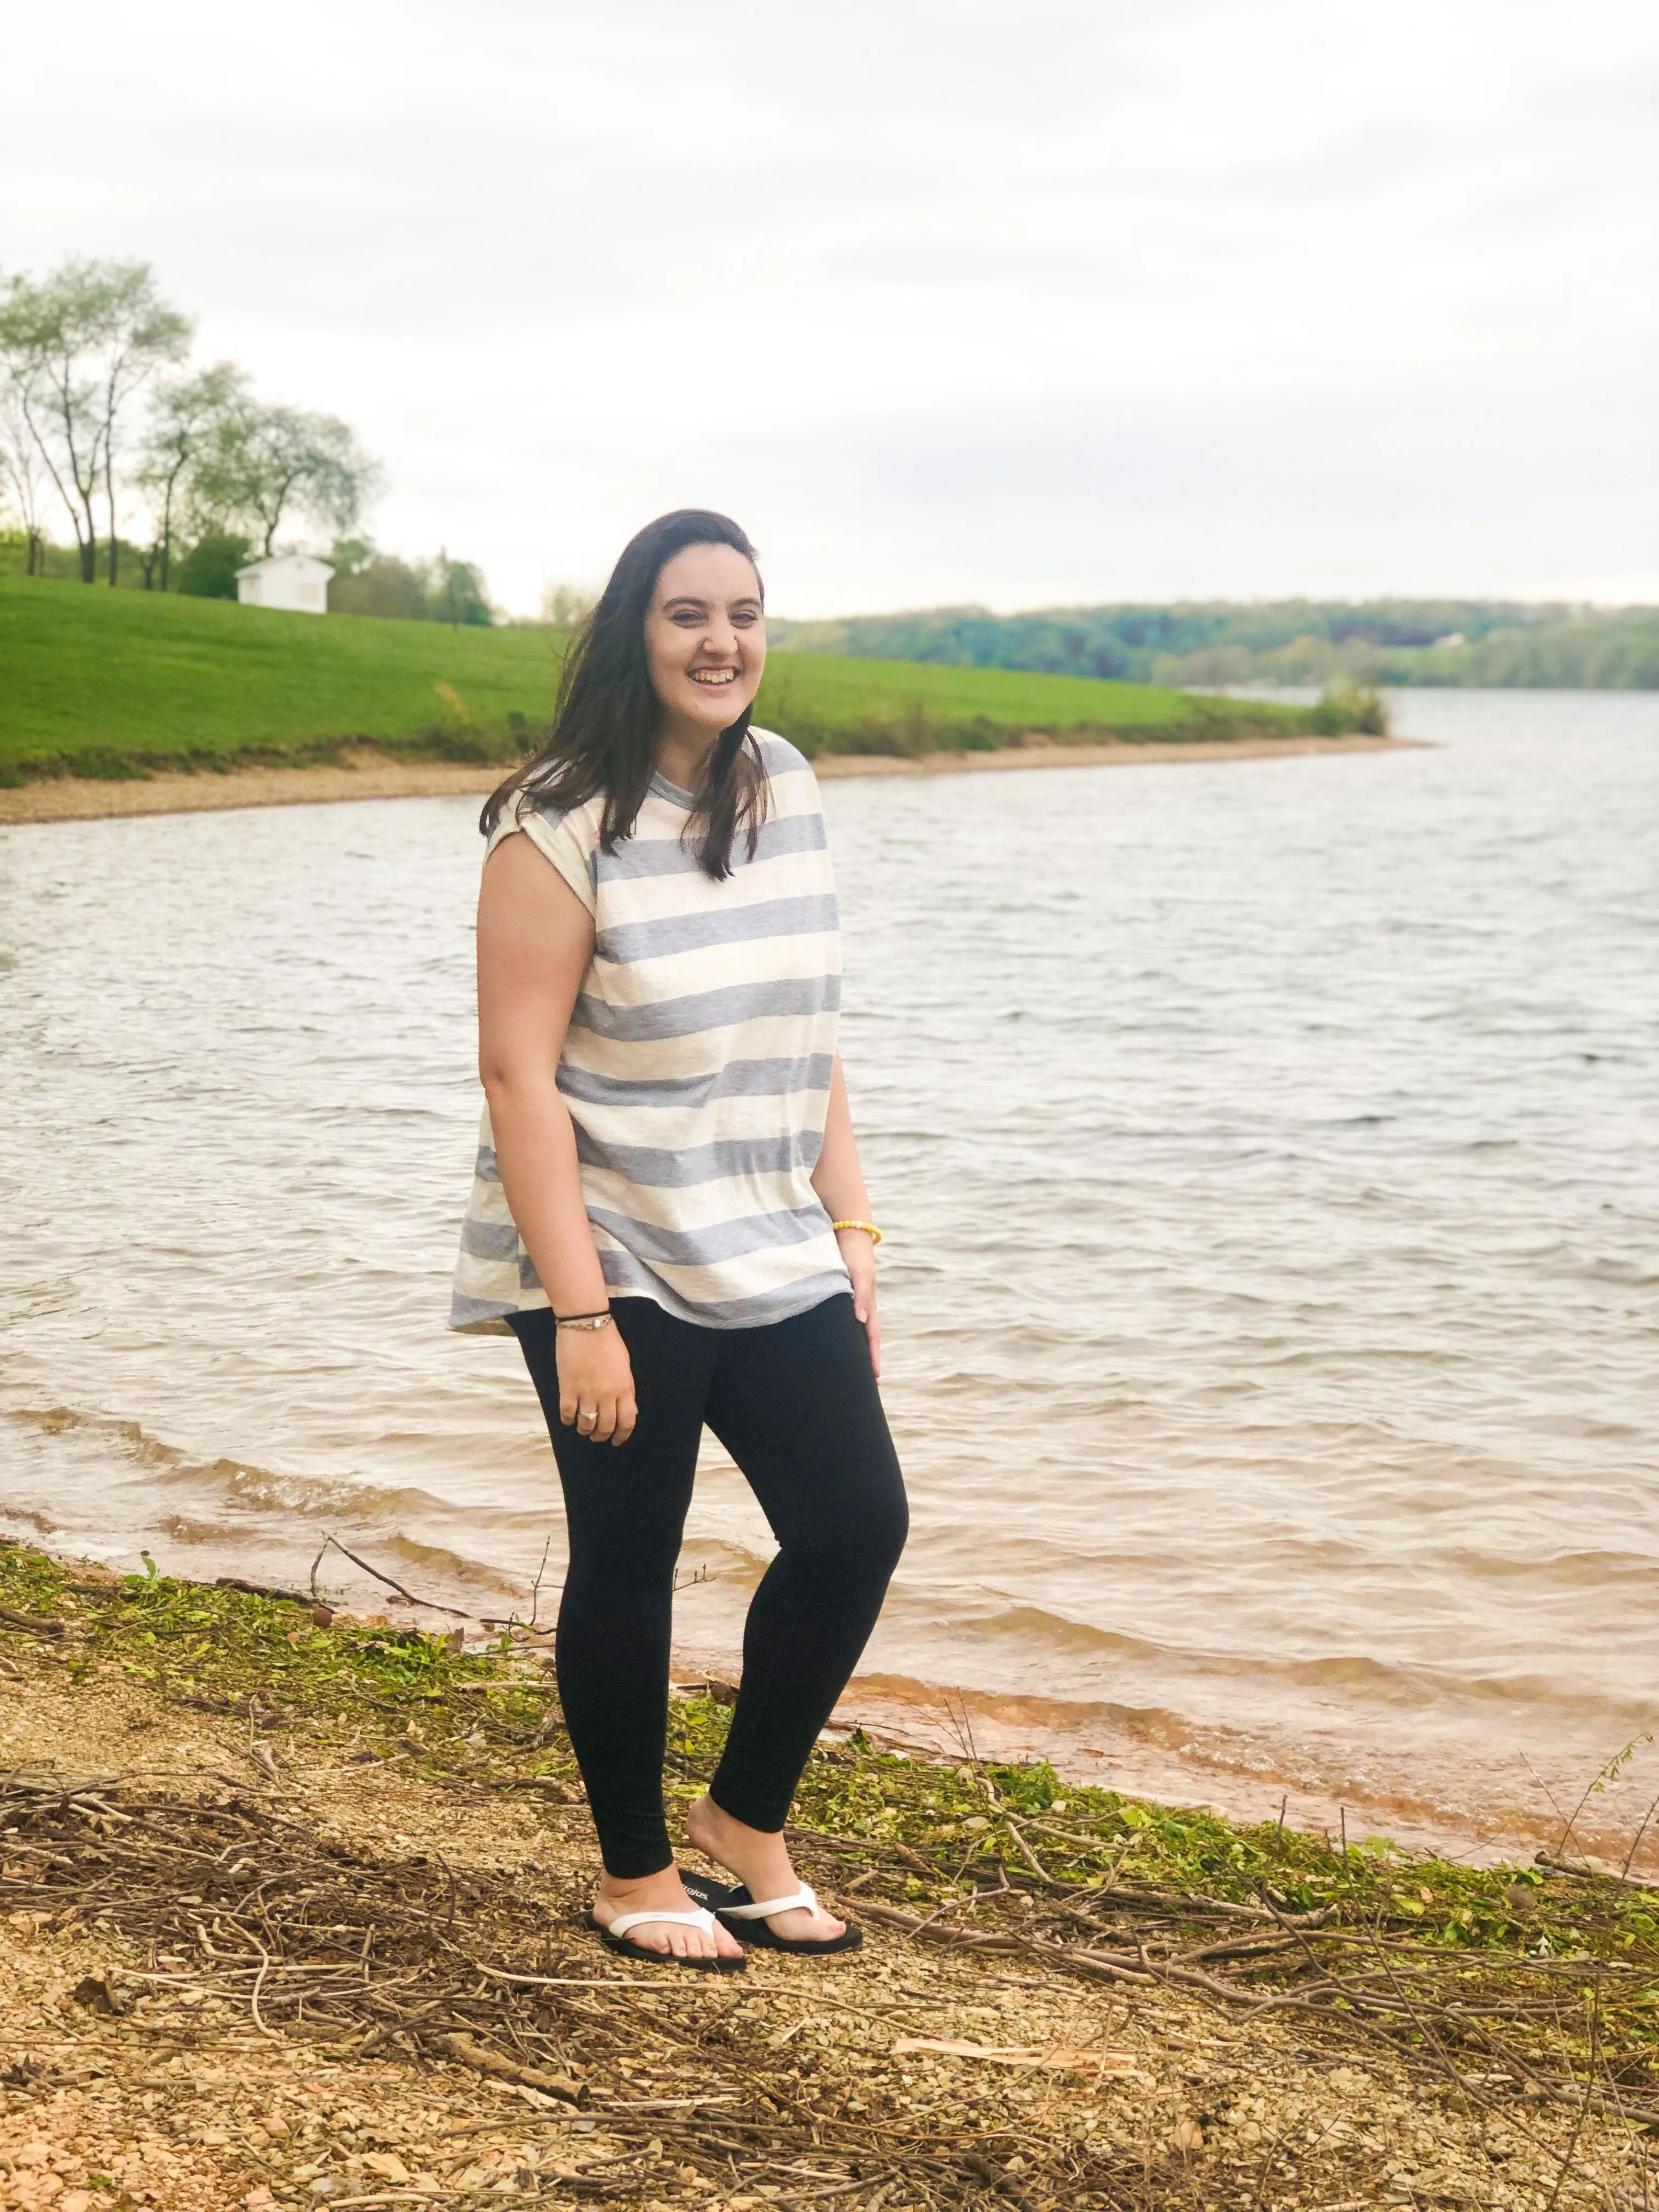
(672, 1938)
(761, 1863)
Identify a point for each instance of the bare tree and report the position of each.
(23, 478)
(566, 607)
(79, 345)
(265, 463)
(185, 422)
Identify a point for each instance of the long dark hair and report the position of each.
(608, 716)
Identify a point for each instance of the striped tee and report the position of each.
(696, 1067)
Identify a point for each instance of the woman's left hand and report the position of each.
(859, 1253)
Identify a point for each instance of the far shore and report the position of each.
(370, 775)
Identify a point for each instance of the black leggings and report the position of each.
(796, 1405)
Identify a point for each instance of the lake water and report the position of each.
(1267, 1152)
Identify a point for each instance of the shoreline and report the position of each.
(366, 774)
(295, 1897)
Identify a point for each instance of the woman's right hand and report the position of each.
(595, 1384)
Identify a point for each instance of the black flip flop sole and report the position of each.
(755, 1935)
(625, 1949)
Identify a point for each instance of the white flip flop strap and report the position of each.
(804, 1900)
(624, 1921)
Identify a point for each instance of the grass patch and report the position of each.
(113, 685)
(825, 703)
(88, 676)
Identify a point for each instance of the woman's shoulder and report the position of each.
(780, 759)
(540, 816)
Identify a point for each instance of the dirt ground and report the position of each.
(137, 2066)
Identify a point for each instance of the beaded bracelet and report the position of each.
(868, 1227)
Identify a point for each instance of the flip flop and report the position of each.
(615, 1938)
(749, 1922)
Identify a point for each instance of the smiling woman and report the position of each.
(669, 1213)
(663, 675)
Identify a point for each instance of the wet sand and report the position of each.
(370, 775)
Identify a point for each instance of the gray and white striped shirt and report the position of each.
(696, 1067)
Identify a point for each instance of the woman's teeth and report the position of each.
(713, 675)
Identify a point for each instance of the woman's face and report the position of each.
(705, 637)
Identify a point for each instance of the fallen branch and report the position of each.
(426, 1604)
(511, 2070)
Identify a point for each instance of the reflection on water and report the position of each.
(1266, 1155)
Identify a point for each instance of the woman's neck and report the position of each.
(682, 752)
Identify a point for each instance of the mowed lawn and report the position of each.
(88, 670)
(91, 678)
(845, 692)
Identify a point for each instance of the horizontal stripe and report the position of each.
(665, 1167)
(711, 967)
(698, 1209)
(481, 1317)
(637, 857)
(692, 933)
(734, 1121)
(647, 897)
(708, 1010)
(769, 1037)
(736, 1078)
(625, 1276)
(486, 1279)
(722, 1240)
(489, 1240)
(774, 1269)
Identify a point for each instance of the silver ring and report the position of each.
(587, 1413)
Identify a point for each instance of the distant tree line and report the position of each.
(1456, 641)
(171, 477)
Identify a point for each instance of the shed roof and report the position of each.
(283, 560)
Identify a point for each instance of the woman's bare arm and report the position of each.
(839, 1181)
(535, 940)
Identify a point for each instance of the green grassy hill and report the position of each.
(99, 677)
(102, 683)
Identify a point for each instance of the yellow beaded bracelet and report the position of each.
(868, 1227)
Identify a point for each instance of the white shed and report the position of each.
(296, 581)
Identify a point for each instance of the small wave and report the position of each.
(241, 1484)
(1037, 1624)
(1071, 1718)
(183, 1530)
(457, 1571)
(27, 1518)
(1403, 1685)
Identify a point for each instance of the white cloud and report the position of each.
(946, 301)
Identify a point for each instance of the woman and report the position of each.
(669, 1215)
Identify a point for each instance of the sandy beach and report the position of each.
(371, 775)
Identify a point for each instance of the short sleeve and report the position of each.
(567, 840)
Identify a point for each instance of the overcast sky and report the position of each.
(1066, 300)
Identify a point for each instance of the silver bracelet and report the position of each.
(582, 1321)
